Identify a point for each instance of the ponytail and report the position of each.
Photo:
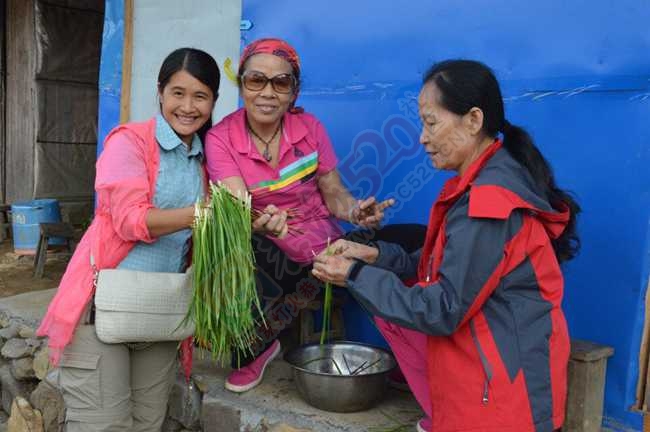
(521, 147)
(464, 84)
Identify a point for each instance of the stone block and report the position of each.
(283, 427)
(49, 401)
(42, 363)
(24, 418)
(265, 426)
(26, 332)
(216, 417)
(171, 425)
(201, 382)
(4, 418)
(33, 343)
(5, 320)
(185, 404)
(11, 387)
(23, 368)
(16, 348)
(9, 332)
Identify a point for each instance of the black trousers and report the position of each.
(285, 286)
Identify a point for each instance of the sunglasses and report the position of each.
(256, 81)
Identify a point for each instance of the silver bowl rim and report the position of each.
(301, 369)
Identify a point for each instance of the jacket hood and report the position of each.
(504, 185)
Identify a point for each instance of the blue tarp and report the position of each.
(110, 70)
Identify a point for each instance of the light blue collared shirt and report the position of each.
(179, 184)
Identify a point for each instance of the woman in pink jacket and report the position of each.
(284, 158)
(148, 178)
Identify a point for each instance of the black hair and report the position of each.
(465, 84)
(200, 65)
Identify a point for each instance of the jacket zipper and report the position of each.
(487, 368)
(428, 279)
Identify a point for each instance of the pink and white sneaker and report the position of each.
(424, 425)
(248, 377)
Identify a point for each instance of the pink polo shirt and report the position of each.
(305, 153)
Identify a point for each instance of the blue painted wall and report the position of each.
(576, 75)
(110, 70)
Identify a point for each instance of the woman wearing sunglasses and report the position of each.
(284, 158)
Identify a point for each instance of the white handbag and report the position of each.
(139, 306)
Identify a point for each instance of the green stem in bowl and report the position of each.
(327, 305)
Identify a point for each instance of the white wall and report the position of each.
(210, 25)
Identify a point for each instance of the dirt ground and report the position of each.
(17, 272)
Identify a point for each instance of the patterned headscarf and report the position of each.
(276, 47)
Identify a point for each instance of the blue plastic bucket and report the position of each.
(25, 219)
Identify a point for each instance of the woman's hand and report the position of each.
(272, 221)
(332, 268)
(369, 213)
(166, 221)
(350, 249)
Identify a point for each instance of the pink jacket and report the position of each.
(125, 186)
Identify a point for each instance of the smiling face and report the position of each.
(186, 103)
(265, 107)
(452, 141)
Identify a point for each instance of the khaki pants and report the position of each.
(112, 387)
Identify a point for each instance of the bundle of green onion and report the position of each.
(224, 281)
(327, 306)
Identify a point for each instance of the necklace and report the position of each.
(266, 154)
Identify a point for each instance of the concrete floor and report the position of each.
(275, 401)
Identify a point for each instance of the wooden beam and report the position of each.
(642, 388)
(21, 106)
(3, 66)
(127, 61)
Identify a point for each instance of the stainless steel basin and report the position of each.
(341, 376)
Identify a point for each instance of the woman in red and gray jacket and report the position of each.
(481, 337)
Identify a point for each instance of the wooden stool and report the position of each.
(586, 386)
(337, 330)
(5, 221)
(48, 230)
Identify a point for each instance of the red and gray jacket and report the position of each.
(488, 295)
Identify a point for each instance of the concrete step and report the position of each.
(273, 406)
(276, 400)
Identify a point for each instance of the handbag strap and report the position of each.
(95, 270)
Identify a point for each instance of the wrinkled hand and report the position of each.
(350, 249)
(333, 269)
(369, 213)
(272, 221)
